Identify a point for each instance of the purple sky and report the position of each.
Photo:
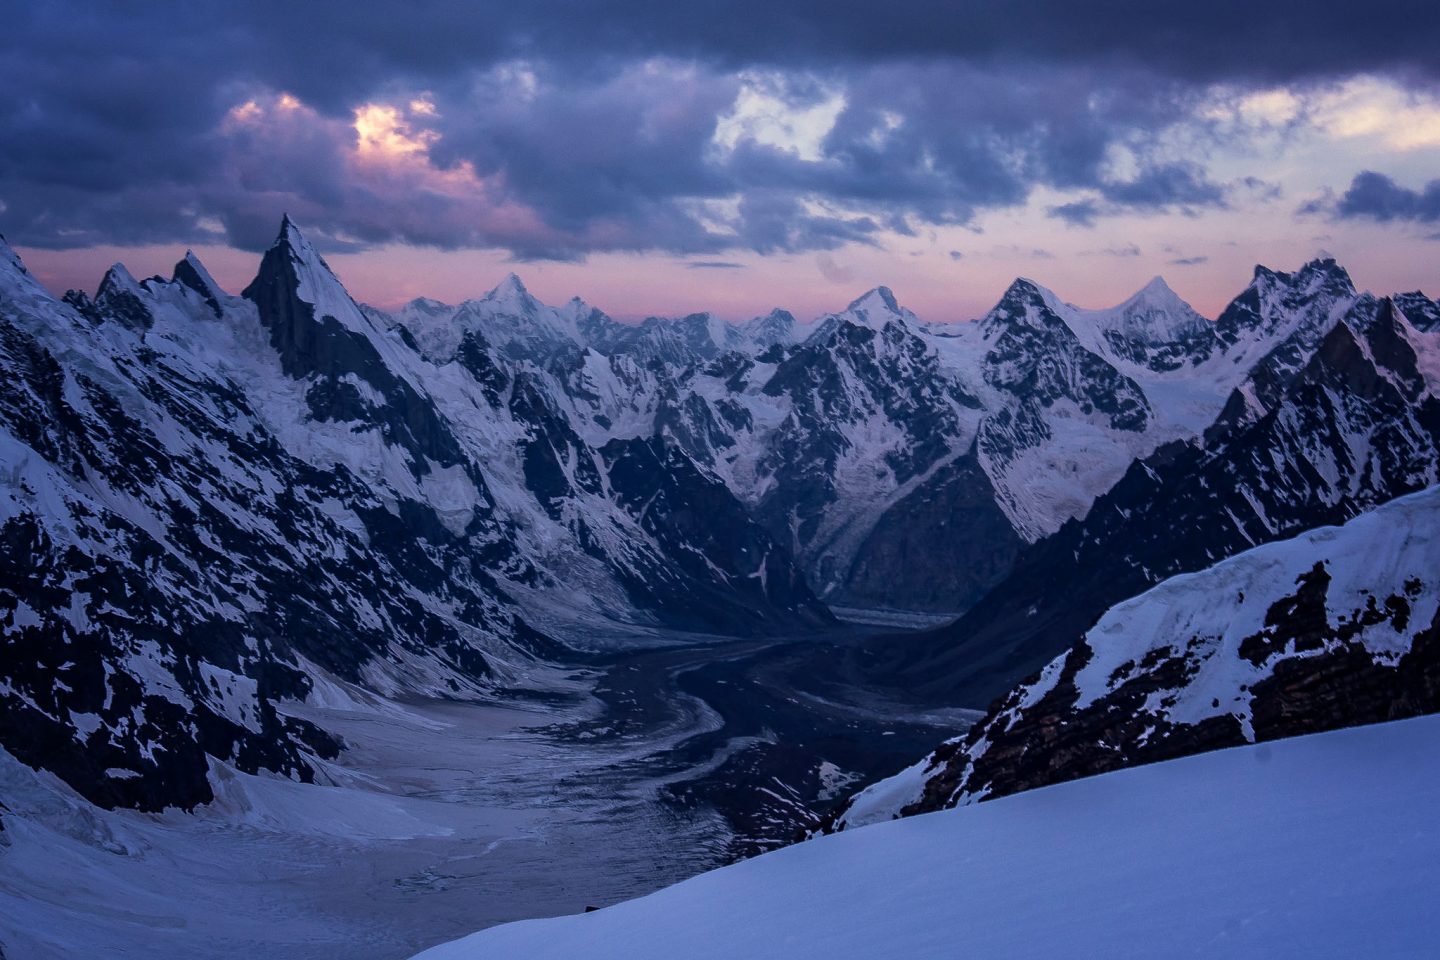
(658, 159)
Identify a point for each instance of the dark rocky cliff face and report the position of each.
(703, 527)
(948, 541)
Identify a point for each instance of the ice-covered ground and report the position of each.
(446, 817)
(1321, 846)
(442, 818)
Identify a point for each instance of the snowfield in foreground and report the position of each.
(1320, 846)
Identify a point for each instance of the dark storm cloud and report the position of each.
(328, 44)
(1375, 196)
(589, 126)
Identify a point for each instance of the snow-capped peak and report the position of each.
(1154, 314)
(315, 283)
(118, 279)
(879, 297)
(873, 310)
(193, 274)
(777, 326)
(511, 294)
(1157, 293)
(9, 259)
(14, 278)
(425, 305)
(1313, 277)
(1026, 302)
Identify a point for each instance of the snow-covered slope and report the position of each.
(1321, 846)
(1336, 627)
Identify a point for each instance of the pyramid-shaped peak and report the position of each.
(877, 297)
(1024, 286)
(117, 279)
(512, 292)
(294, 238)
(193, 274)
(293, 269)
(13, 274)
(1157, 285)
(511, 286)
(1157, 293)
(1025, 290)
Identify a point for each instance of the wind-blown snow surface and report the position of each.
(1322, 846)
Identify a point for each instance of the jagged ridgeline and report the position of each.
(215, 505)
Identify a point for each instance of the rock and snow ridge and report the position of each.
(1337, 627)
(1316, 846)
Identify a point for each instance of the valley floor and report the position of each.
(1324, 846)
(449, 817)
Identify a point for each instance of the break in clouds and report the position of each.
(554, 130)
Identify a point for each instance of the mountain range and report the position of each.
(216, 503)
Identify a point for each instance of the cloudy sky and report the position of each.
(663, 157)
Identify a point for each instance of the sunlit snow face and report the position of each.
(680, 177)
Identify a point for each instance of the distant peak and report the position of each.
(427, 305)
(1157, 284)
(192, 273)
(512, 284)
(118, 278)
(1321, 269)
(882, 294)
(9, 258)
(511, 291)
(293, 238)
(1327, 267)
(1030, 289)
(1156, 293)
